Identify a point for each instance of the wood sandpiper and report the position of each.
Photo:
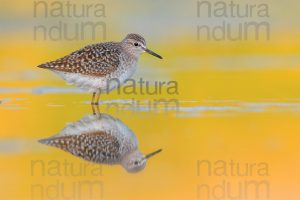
(94, 66)
(101, 139)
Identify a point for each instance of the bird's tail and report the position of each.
(56, 142)
(44, 66)
(46, 141)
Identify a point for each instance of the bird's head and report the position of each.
(136, 45)
(135, 161)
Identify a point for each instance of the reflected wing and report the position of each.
(97, 146)
(97, 60)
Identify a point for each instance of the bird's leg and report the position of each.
(93, 98)
(93, 109)
(98, 110)
(97, 98)
(96, 104)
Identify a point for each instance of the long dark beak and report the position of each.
(152, 53)
(152, 154)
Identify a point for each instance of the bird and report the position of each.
(101, 139)
(101, 67)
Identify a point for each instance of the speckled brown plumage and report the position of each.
(96, 60)
(97, 147)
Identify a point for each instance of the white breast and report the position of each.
(104, 84)
(107, 124)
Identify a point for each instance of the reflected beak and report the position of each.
(152, 154)
(152, 53)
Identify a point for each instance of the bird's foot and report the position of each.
(95, 103)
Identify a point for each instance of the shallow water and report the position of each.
(207, 142)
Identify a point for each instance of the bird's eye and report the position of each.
(136, 162)
(136, 44)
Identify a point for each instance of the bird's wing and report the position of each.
(98, 147)
(96, 60)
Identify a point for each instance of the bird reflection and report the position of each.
(103, 139)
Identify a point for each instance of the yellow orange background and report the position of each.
(238, 101)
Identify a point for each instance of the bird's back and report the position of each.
(93, 60)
